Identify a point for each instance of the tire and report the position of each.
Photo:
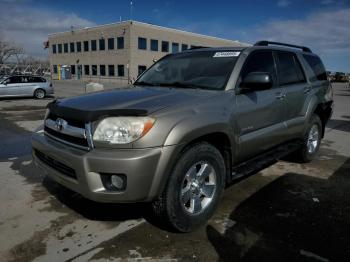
(312, 141)
(189, 199)
(39, 93)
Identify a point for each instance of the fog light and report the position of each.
(117, 181)
(114, 182)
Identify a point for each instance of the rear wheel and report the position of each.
(39, 93)
(194, 188)
(312, 140)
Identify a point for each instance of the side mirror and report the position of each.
(255, 81)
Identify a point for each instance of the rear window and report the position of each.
(289, 70)
(317, 66)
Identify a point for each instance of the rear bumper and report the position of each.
(146, 170)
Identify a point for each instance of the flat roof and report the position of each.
(130, 22)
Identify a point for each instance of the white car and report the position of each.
(25, 85)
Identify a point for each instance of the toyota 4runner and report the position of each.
(189, 125)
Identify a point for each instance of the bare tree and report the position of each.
(8, 49)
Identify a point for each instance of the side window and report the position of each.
(261, 61)
(13, 80)
(317, 66)
(289, 72)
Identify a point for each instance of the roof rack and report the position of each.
(266, 43)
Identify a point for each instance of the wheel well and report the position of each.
(324, 112)
(221, 142)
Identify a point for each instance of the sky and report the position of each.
(322, 25)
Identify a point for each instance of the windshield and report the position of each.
(200, 69)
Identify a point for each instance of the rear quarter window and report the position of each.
(317, 66)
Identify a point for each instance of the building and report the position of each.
(119, 52)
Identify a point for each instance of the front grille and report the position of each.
(62, 168)
(70, 139)
(71, 122)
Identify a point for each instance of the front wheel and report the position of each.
(194, 188)
(39, 93)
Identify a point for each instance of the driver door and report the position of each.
(10, 86)
(259, 114)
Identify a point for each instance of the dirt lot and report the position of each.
(288, 212)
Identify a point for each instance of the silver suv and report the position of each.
(191, 124)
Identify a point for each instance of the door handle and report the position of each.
(307, 90)
(280, 96)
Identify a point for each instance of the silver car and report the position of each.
(25, 85)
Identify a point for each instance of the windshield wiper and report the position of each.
(143, 83)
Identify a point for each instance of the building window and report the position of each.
(142, 43)
(93, 45)
(142, 69)
(54, 49)
(102, 70)
(78, 46)
(120, 42)
(165, 46)
(94, 70)
(59, 48)
(86, 70)
(65, 47)
(175, 47)
(110, 43)
(72, 69)
(121, 70)
(111, 70)
(154, 45)
(72, 49)
(102, 44)
(86, 46)
(55, 69)
(184, 47)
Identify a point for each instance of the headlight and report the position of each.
(122, 130)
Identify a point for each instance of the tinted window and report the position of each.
(102, 44)
(94, 70)
(111, 70)
(120, 42)
(175, 47)
(65, 47)
(93, 45)
(165, 46)
(72, 69)
(141, 69)
(184, 47)
(102, 70)
(287, 69)
(120, 70)
(86, 46)
(59, 48)
(317, 66)
(87, 70)
(33, 79)
(78, 46)
(110, 43)
(142, 43)
(54, 49)
(14, 80)
(260, 62)
(154, 45)
(72, 49)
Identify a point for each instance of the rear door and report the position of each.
(259, 115)
(292, 78)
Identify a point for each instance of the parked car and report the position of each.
(191, 124)
(25, 85)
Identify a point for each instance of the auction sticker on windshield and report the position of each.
(226, 54)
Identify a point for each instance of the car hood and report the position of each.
(132, 101)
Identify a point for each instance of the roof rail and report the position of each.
(266, 43)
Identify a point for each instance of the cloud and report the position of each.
(325, 31)
(283, 3)
(29, 27)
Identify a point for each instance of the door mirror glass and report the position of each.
(256, 81)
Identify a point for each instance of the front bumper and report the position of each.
(146, 170)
